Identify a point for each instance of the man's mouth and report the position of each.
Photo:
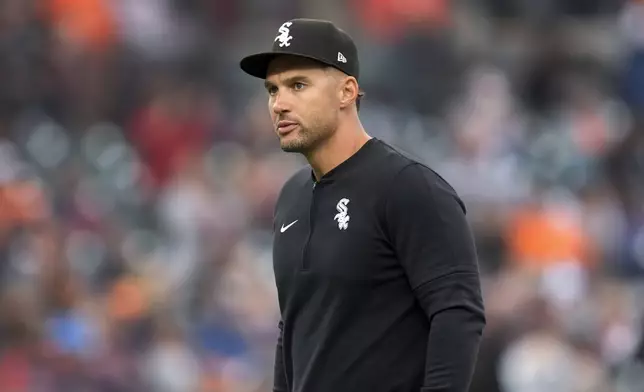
(284, 127)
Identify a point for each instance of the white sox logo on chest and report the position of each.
(342, 216)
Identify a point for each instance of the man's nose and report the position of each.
(280, 105)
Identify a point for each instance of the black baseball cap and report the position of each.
(314, 39)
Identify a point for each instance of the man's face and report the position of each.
(303, 102)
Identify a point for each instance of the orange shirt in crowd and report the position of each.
(388, 18)
(127, 299)
(21, 203)
(538, 239)
(88, 22)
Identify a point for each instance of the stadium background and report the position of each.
(138, 173)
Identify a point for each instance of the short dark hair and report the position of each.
(358, 99)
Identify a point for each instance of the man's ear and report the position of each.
(349, 90)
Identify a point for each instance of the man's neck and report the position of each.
(340, 147)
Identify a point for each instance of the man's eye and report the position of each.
(272, 90)
(298, 86)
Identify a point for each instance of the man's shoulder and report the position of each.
(411, 170)
(418, 173)
(409, 174)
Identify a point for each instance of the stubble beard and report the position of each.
(300, 144)
(307, 140)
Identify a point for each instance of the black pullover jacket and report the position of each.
(377, 279)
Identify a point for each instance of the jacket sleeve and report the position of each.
(426, 225)
(279, 374)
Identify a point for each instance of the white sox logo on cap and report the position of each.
(284, 36)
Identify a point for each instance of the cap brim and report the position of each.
(257, 64)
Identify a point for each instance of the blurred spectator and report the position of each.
(20, 335)
(171, 366)
(169, 130)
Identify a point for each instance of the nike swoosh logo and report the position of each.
(284, 228)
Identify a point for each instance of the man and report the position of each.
(374, 262)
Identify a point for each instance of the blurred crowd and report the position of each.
(139, 170)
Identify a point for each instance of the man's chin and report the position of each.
(292, 147)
